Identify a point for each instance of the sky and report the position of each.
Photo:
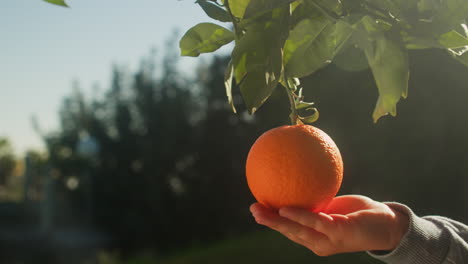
(43, 48)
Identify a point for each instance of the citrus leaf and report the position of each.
(303, 105)
(252, 49)
(303, 10)
(388, 61)
(343, 33)
(461, 54)
(463, 58)
(463, 29)
(352, 59)
(428, 5)
(263, 62)
(386, 5)
(238, 7)
(311, 118)
(453, 11)
(295, 5)
(257, 7)
(374, 26)
(302, 34)
(257, 58)
(446, 15)
(348, 55)
(203, 38)
(310, 46)
(57, 2)
(256, 88)
(214, 11)
(330, 5)
(421, 43)
(228, 75)
(404, 5)
(453, 40)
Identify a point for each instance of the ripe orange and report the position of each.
(297, 166)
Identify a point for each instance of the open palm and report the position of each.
(349, 223)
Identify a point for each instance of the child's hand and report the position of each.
(349, 223)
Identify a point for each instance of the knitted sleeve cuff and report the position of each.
(423, 243)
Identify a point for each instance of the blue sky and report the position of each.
(43, 48)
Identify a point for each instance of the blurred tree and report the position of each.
(170, 161)
(33, 175)
(7, 161)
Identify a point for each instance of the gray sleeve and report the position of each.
(429, 240)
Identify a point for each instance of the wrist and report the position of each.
(400, 228)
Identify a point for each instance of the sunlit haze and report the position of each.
(43, 48)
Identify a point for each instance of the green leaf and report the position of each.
(428, 5)
(310, 46)
(310, 118)
(295, 5)
(214, 11)
(366, 28)
(303, 105)
(258, 7)
(57, 2)
(263, 61)
(351, 59)
(334, 6)
(404, 5)
(303, 34)
(203, 38)
(343, 33)
(386, 6)
(453, 40)
(463, 29)
(303, 10)
(420, 43)
(228, 75)
(252, 50)
(374, 26)
(256, 88)
(463, 58)
(264, 73)
(238, 7)
(348, 55)
(389, 64)
(448, 15)
(257, 58)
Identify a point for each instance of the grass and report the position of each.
(259, 247)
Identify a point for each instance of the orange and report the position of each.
(296, 166)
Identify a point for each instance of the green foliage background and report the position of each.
(277, 41)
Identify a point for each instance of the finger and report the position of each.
(317, 242)
(346, 204)
(321, 222)
(294, 231)
(281, 224)
(258, 207)
(308, 237)
(269, 218)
